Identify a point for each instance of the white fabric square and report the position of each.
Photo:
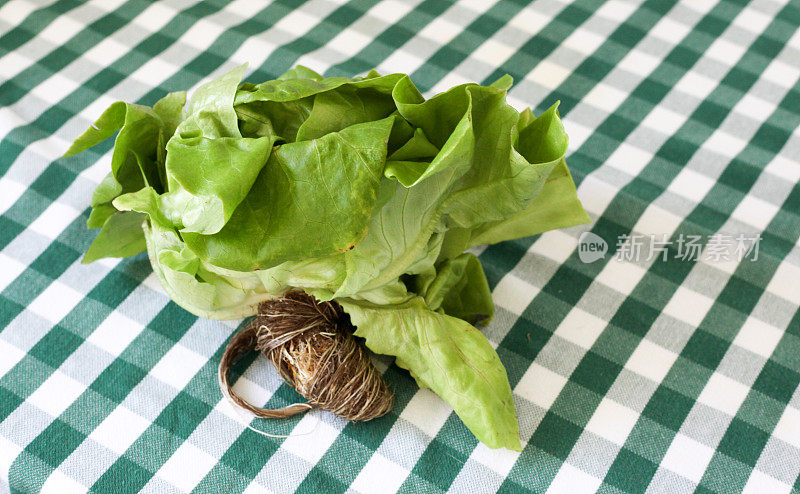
(548, 74)
(687, 457)
(310, 447)
(54, 220)
(106, 51)
(621, 276)
(13, 63)
(10, 192)
(8, 450)
(754, 107)
(688, 306)
(441, 30)
(186, 467)
(55, 87)
(57, 393)
(724, 394)
(780, 73)
(297, 21)
(155, 17)
(178, 366)
(60, 483)
(724, 51)
(584, 41)
(9, 120)
(639, 63)
(691, 185)
(10, 269)
(493, 52)
(201, 33)
(514, 294)
(55, 302)
(115, 333)
(390, 11)
(616, 10)
(400, 61)
(752, 20)
(612, 421)
(605, 97)
(11, 356)
(785, 283)
(664, 120)
(581, 328)
(651, 361)
(556, 245)
(758, 337)
(629, 159)
(379, 471)
(724, 144)
(759, 483)
(529, 20)
(670, 30)
(657, 221)
(119, 430)
(570, 480)
(61, 30)
(154, 69)
(427, 412)
(788, 427)
(595, 194)
(540, 385)
(755, 212)
(696, 85)
(498, 460)
(780, 166)
(14, 12)
(578, 134)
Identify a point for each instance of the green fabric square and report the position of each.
(596, 373)
(705, 349)
(630, 472)
(57, 438)
(777, 381)
(743, 441)
(439, 464)
(124, 476)
(182, 415)
(117, 380)
(55, 346)
(668, 408)
(555, 435)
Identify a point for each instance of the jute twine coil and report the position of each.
(312, 346)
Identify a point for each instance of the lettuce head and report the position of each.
(353, 189)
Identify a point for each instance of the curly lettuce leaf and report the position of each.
(313, 198)
(447, 355)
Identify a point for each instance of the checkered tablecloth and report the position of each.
(652, 368)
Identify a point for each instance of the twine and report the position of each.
(312, 346)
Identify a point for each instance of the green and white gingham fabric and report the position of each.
(650, 369)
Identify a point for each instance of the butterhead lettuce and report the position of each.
(353, 189)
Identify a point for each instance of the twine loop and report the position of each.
(312, 346)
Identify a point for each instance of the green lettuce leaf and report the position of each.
(121, 236)
(449, 356)
(313, 198)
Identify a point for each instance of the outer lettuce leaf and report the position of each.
(209, 178)
(459, 287)
(210, 111)
(121, 236)
(449, 356)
